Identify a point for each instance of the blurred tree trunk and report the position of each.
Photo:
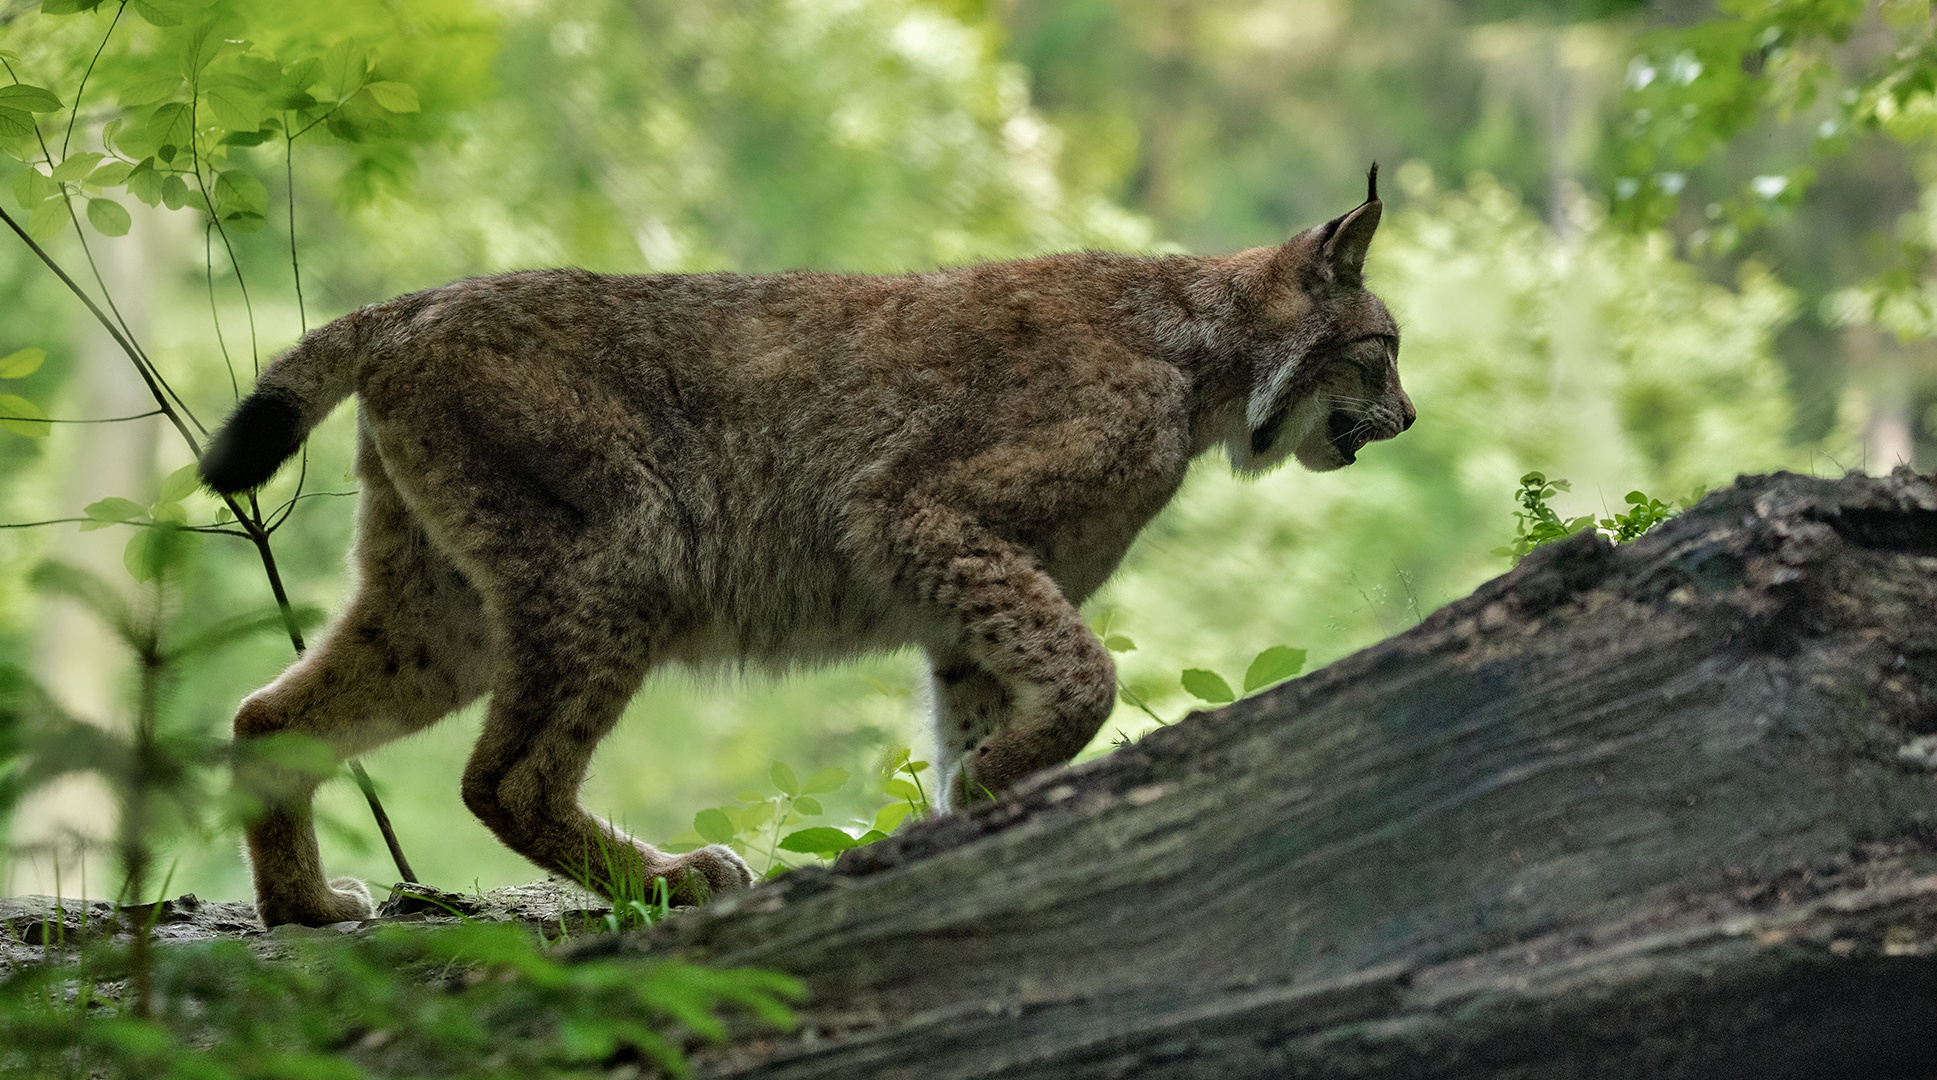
(1666, 810)
(80, 661)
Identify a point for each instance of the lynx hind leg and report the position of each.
(409, 651)
(1023, 684)
(565, 673)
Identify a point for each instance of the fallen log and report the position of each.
(1662, 810)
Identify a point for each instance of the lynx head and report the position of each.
(1324, 376)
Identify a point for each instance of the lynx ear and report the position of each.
(1351, 235)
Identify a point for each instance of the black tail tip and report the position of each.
(262, 433)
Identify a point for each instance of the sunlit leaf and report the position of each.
(168, 125)
(31, 187)
(234, 107)
(113, 174)
(77, 165)
(158, 12)
(23, 417)
(783, 778)
(889, 817)
(902, 789)
(713, 826)
(808, 805)
(111, 510)
(145, 183)
(1208, 685)
(15, 124)
(395, 97)
(110, 217)
(28, 98)
(22, 362)
(821, 840)
(345, 66)
(824, 781)
(147, 91)
(47, 220)
(174, 192)
(1275, 664)
(1119, 643)
(180, 484)
(302, 74)
(200, 46)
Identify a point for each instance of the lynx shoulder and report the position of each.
(569, 479)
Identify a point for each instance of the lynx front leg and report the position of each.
(551, 706)
(1021, 683)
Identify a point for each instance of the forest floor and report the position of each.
(44, 927)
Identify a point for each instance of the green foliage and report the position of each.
(754, 824)
(1537, 523)
(17, 414)
(474, 1001)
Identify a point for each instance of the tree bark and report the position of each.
(1662, 810)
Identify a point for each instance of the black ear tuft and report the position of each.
(1372, 184)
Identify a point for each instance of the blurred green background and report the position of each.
(888, 135)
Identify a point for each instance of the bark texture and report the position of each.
(1663, 810)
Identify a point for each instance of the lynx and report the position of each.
(569, 479)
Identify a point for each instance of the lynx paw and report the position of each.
(714, 870)
(346, 899)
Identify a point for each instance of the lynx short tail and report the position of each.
(294, 395)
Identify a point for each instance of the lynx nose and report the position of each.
(1407, 412)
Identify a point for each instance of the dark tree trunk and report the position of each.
(1664, 810)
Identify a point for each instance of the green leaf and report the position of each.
(33, 187)
(159, 12)
(47, 220)
(33, 424)
(1275, 664)
(1208, 685)
(914, 767)
(713, 826)
(246, 222)
(783, 778)
(901, 789)
(234, 107)
(172, 512)
(77, 165)
(111, 510)
(15, 124)
(200, 46)
(180, 484)
(113, 174)
(146, 555)
(302, 74)
(1119, 643)
(749, 795)
(345, 66)
(110, 217)
(147, 91)
(28, 98)
(890, 816)
(22, 362)
(808, 805)
(824, 781)
(174, 193)
(237, 191)
(821, 840)
(395, 97)
(168, 124)
(144, 182)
